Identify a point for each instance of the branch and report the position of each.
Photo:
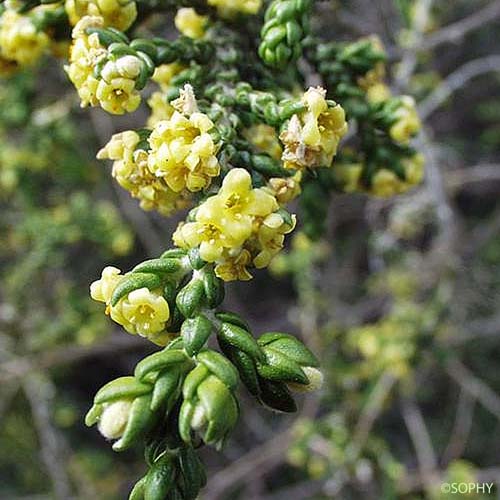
(474, 386)
(371, 411)
(455, 179)
(456, 80)
(457, 31)
(21, 366)
(426, 457)
(39, 392)
(461, 427)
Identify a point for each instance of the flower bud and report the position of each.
(114, 419)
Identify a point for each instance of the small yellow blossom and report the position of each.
(85, 53)
(407, 122)
(142, 312)
(265, 139)
(115, 90)
(165, 72)
(285, 189)
(183, 152)
(348, 175)
(20, 40)
(225, 221)
(161, 109)
(130, 169)
(386, 183)
(414, 169)
(118, 14)
(189, 23)
(231, 8)
(378, 92)
(312, 137)
(234, 267)
(102, 289)
(271, 237)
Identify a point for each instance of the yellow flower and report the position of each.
(271, 237)
(161, 109)
(349, 175)
(407, 122)
(189, 23)
(414, 169)
(386, 183)
(118, 95)
(312, 137)
(102, 289)
(165, 72)
(115, 13)
(285, 189)
(234, 267)
(378, 92)
(85, 53)
(183, 152)
(20, 41)
(231, 8)
(264, 138)
(142, 312)
(130, 169)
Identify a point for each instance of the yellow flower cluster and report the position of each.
(119, 14)
(231, 8)
(384, 183)
(312, 137)
(85, 53)
(238, 227)
(130, 169)
(21, 43)
(144, 312)
(407, 123)
(189, 23)
(265, 140)
(183, 152)
(388, 345)
(161, 109)
(115, 90)
(285, 189)
(165, 72)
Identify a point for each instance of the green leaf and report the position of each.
(241, 339)
(122, 388)
(160, 479)
(195, 332)
(220, 366)
(190, 298)
(131, 282)
(158, 266)
(159, 361)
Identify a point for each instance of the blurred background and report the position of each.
(400, 301)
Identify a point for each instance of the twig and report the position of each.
(426, 457)
(20, 367)
(474, 386)
(457, 80)
(39, 392)
(461, 428)
(456, 179)
(369, 414)
(268, 454)
(409, 60)
(455, 32)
